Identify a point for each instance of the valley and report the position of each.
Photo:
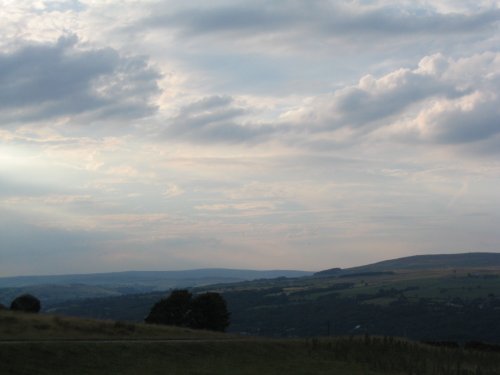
(433, 303)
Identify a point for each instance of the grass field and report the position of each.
(438, 284)
(19, 326)
(102, 347)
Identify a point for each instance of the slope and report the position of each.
(423, 262)
(203, 353)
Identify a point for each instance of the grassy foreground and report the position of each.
(19, 326)
(135, 351)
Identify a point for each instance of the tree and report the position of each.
(172, 310)
(206, 311)
(26, 303)
(209, 311)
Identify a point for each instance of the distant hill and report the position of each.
(57, 293)
(56, 288)
(150, 277)
(423, 262)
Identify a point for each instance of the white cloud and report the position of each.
(442, 100)
(173, 190)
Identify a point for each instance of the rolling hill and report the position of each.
(439, 302)
(152, 278)
(54, 345)
(423, 262)
(58, 288)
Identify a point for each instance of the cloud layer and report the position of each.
(168, 135)
(267, 19)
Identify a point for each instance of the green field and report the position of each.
(37, 344)
(20, 326)
(440, 284)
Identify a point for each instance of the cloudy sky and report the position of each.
(162, 135)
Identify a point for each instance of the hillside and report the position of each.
(72, 346)
(448, 303)
(431, 304)
(35, 327)
(424, 262)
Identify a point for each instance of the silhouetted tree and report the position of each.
(172, 310)
(206, 311)
(26, 303)
(209, 311)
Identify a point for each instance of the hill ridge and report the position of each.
(147, 276)
(423, 261)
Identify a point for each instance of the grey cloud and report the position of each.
(232, 18)
(431, 92)
(41, 81)
(393, 21)
(206, 104)
(358, 107)
(319, 17)
(442, 102)
(216, 119)
(373, 103)
(465, 126)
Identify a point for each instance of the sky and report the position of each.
(167, 135)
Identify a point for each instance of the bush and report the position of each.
(26, 303)
(172, 310)
(205, 311)
(209, 311)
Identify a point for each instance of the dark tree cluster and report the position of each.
(204, 311)
(26, 303)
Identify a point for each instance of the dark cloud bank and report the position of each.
(217, 119)
(322, 18)
(44, 81)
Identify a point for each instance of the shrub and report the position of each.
(209, 311)
(26, 303)
(205, 311)
(172, 310)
